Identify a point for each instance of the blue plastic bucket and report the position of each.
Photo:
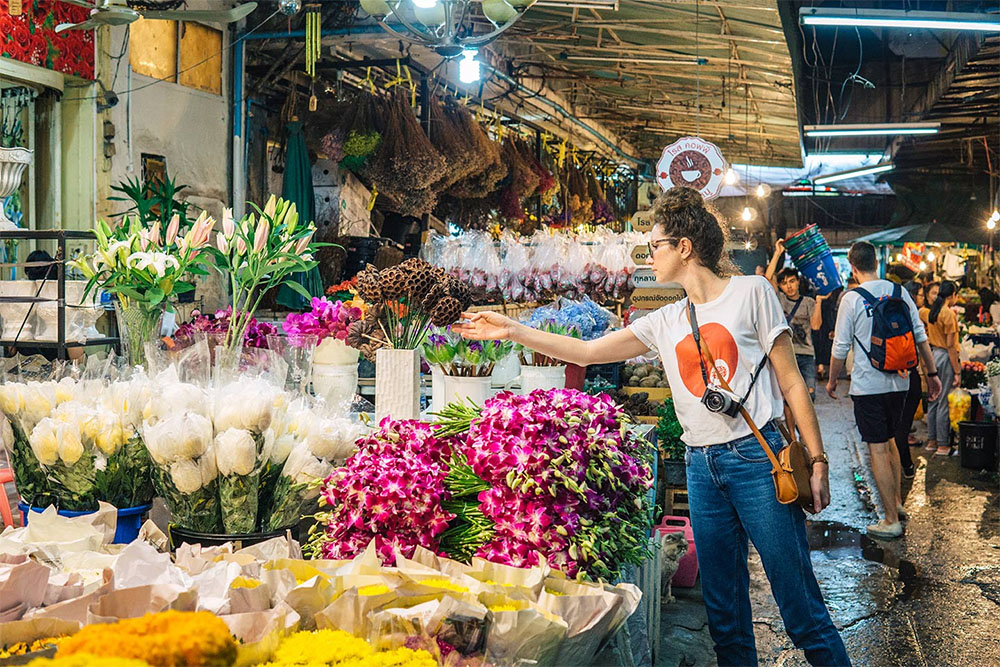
(129, 520)
(821, 272)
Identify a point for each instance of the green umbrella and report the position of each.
(297, 187)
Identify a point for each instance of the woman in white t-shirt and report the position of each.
(730, 487)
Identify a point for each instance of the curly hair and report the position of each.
(683, 213)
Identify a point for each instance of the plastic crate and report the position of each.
(610, 372)
(687, 570)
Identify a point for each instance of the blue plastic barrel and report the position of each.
(129, 520)
(821, 272)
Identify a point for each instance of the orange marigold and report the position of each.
(167, 639)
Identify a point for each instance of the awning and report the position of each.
(930, 232)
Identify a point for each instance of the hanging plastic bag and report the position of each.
(959, 407)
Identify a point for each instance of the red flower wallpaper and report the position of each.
(31, 37)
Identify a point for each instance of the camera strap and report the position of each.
(696, 333)
(786, 488)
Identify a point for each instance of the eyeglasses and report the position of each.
(654, 245)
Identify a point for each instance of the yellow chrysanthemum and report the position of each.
(167, 639)
(447, 584)
(552, 592)
(323, 647)
(87, 660)
(245, 582)
(20, 648)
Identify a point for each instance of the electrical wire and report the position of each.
(186, 69)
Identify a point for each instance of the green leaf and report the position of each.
(155, 295)
(183, 287)
(302, 291)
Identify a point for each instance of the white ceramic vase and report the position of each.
(465, 390)
(397, 384)
(12, 164)
(334, 352)
(542, 377)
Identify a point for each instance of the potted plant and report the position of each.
(466, 367)
(144, 270)
(672, 448)
(539, 371)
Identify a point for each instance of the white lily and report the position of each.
(158, 261)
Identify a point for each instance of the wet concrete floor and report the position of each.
(930, 598)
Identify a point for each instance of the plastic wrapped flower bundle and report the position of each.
(164, 639)
(590, 319)
(309, 444)
(389, 491)
(75, 442)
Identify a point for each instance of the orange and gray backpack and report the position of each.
(893, 348)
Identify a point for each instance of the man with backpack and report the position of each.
(879, 320)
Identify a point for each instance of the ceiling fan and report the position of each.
(106, 12)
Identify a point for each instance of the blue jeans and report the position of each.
(731, 495)
(807, 366)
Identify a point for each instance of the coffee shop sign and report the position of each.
(692, 163)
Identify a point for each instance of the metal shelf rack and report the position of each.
(60, 236)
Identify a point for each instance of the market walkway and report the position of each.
(931, 598)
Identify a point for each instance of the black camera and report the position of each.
(721, 401)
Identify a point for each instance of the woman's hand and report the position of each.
(819, 482)
(486, 326)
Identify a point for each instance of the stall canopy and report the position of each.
(930, 232)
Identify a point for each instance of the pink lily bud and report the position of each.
(260, 236)
(182, 244)
(241, 246)
(271, 207)
(154, 234)
(143, 240)
(228, 224)
(303, 243)
(221, 243)
(173, 228)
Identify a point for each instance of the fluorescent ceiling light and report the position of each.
(579, 4)
(641, 61)
(870, 129)
(898, 18)
(854, 173)
(845, 155)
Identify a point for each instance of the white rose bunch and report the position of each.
(304, 468)
(236, 452)
(246, 405)
(333, 438)
(176, 437)
(53, 440)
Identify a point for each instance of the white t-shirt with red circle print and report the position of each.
(739, 326)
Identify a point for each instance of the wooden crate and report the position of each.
(675, 502)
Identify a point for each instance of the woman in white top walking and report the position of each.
(730, 488)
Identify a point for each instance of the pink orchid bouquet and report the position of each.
(326, 319)
(569, 482)
(255, 335)
(556, 477)
(390, 490)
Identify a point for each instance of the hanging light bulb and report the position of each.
(996, 216)
(931, 256)
(899, 257)
(730, 178)
(991, 224)
(761, 191)
(468, 67)
(498, 11)
(747, 214)
(430, 14)
(923, 266)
